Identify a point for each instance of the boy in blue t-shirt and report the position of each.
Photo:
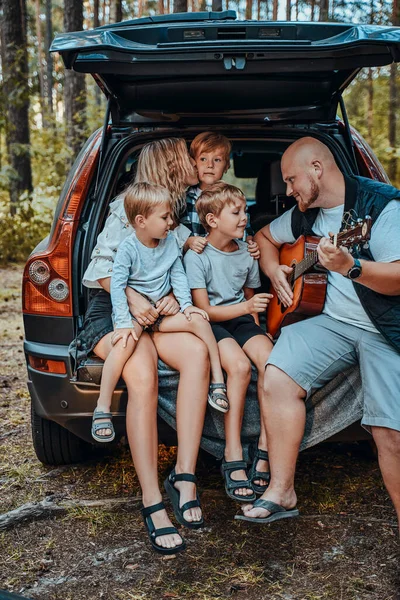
(211, 152)
(222, 280)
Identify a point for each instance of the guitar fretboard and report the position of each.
(309, 261)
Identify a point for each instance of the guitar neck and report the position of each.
(309, 261)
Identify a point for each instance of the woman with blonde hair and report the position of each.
(167, 163)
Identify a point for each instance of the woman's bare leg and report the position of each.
(141, 378)
(201, 328)
(238, 370)
(188, 355)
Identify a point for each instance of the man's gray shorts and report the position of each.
(313, 351)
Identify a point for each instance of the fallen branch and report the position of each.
(53, 505)
(12, 432)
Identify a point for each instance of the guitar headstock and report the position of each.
(358, 233)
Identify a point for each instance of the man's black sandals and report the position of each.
(227, 467)
(174, 496)
(154, 533)
(254, 474)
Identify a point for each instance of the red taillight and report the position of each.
(46, 286)
(47, 366)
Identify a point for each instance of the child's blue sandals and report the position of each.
(227, 467)
(174, 496)
(97, 415)
(154, 533)
(214, 397)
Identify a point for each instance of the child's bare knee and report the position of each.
(240, 369)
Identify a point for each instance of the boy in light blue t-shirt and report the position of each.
(149, 261)
(222, 279)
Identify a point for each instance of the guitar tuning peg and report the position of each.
(360, 221)
(366, 246)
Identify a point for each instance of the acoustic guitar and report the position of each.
(308, 278)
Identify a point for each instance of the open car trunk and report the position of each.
(189, 66)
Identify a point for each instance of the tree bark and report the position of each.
(275, 10)
(74, 84)
(49, 58)
(249, 9)
(323, 10)
(116, 11)
(40, 63)
(312, 10)
(392, 167)
(160, 7)
(180, 6)
(16, 93)
(288, 10)
(217, 5)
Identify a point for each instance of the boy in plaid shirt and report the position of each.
(211, 153)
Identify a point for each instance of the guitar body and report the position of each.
(309, 290)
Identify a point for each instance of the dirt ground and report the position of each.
(344, 546)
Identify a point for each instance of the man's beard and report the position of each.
(314, 193)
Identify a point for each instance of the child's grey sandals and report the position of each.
(227, 467)
(214, 397)
(99, 414)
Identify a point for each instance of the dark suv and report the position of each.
(262, 84)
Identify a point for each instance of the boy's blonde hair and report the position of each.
(167, 163)
(142, 198)
(214, 198)
(209, 141)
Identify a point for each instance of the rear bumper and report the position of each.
(71, 404)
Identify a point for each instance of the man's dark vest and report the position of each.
(363, 197)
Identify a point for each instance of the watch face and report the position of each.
(355, 272)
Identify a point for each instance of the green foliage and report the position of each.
(356, 100)
(21, 232)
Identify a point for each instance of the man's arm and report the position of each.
(269, 263)
(380, 277)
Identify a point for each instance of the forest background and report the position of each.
(46, 112)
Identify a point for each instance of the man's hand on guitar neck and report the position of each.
(280, 284)
(333, 258)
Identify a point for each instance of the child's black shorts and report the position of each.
(241, 329)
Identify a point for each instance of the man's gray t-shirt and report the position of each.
(222, 274)
(342, 302)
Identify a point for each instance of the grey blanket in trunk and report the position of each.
(330, 410)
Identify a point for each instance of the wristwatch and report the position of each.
(355, 271)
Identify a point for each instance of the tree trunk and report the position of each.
(116, 11)
(275, 10)
(180, 6)
(49, 58)
(288, 10)
(16, 94)
(258, 10)
(160, 7)
(217, 4)
(312, 10)
(40, 63)
(74, 84)
(249, 9)
(370, 117)
(392, 167)
(323, 10)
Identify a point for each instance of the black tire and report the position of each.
(55, 445)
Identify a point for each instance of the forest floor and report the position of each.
(343, 547)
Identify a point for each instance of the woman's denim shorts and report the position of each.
(97, 324)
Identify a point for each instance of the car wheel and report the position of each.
(55, 445)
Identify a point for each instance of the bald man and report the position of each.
(360, 321)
